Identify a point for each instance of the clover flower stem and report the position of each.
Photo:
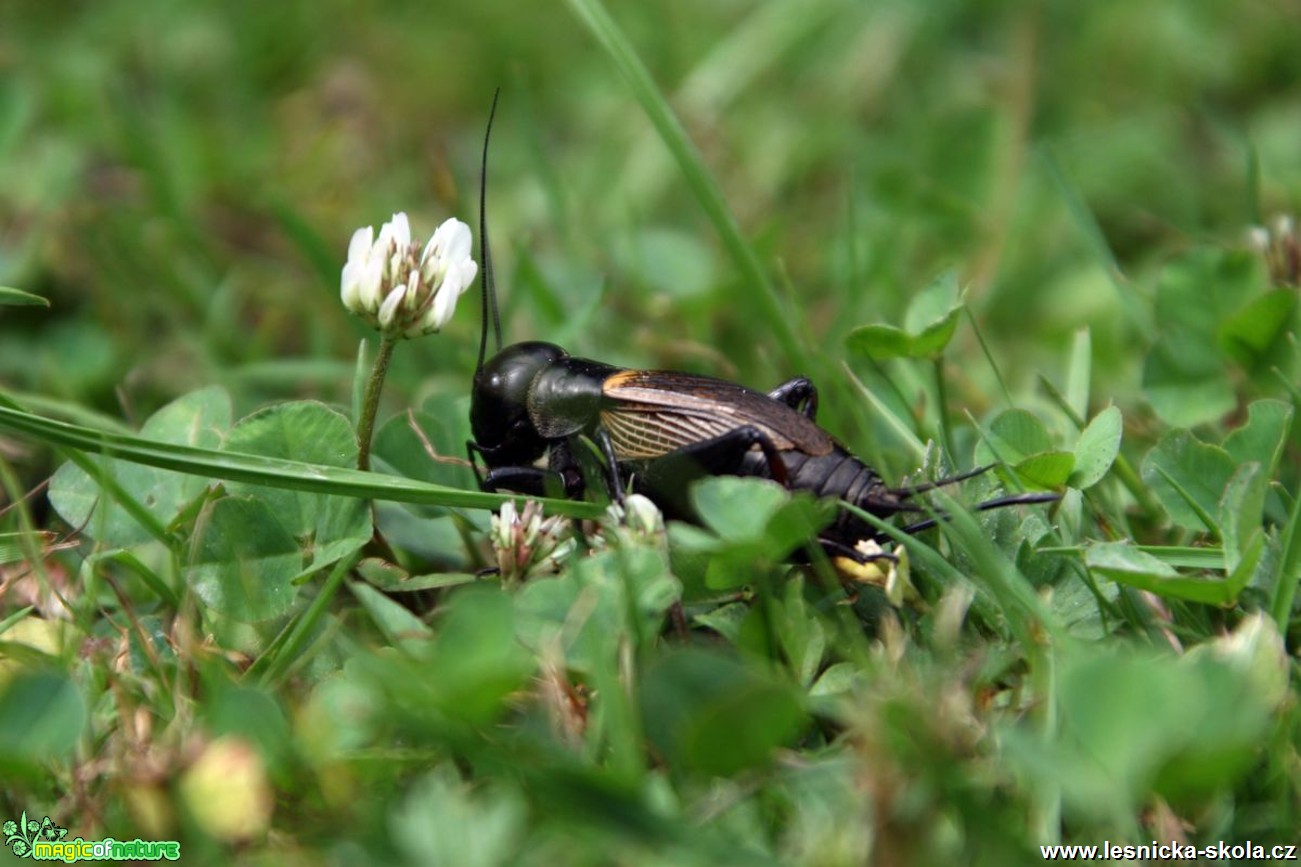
(370, 400)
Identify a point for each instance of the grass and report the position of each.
(1006, 233)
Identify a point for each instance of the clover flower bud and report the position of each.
(1257, 238)
(1256, 651)
(526, 543)
(638, 521)
(399, 287)
(1280, 245)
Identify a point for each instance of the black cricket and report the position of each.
(658, 431)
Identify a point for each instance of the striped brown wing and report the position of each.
(649, 413)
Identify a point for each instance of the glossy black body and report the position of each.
(659, 431)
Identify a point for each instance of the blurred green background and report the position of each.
(181, 180)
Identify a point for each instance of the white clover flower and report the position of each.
(528, 544)
(639, 515)
(1257, 238)
(401, 289)
(638, 522)
(644, 517)
(1280, 245)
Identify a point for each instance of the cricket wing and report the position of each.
(649, 413)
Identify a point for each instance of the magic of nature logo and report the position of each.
(45, 841)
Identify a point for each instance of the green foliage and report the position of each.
(42, 715)
(929, 324)
(1217, 316)
(1097, 448)
(214, 628)
(443, 821)
(125, 503)
(711, 716)
(1126, 565)
(1019, 440)
(243, 561)
(753, 521)
(1196, 728)
(328, 527)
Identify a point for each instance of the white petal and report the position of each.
(388, 310)
(350, 286)
(440, 312)
(413, 290)
(393, 268)
(458, 241)
(359, 247)
(450, 243)
(401, 230)
(469, 269)
(443, 239)
(643, 514)
(430, 271)
(384, 243)
(370, 285)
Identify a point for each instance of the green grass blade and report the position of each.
(1178, 556)
(18, 298)
(151, 579)
(103, 477)
(12, 552)
(1079, 373)
(942, 410)
(989, 356)
(287, 647)
(897, 424)
(7, 623)
(1063, 402)
(1289, 573)
(274, 472)
(67, 410)
(1205, 517)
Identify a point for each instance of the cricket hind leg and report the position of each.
(666, 479)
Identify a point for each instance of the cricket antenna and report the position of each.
(997, 503)
(485, 253)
